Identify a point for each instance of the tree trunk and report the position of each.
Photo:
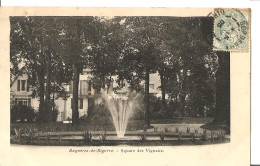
(183, 94)
(223, 89)
(75, 107)
(42, 114)
(48, 90)
(147, 111)
(77, 47)
(163, 90)
(53, 101)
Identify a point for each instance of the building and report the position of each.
(21, 94)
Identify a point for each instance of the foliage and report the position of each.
(87, 136)
(142, 137)
(22, 113)
(100, 116)
(34, 43)
(162, 137)
(55, 50)
(55, 113)
(102, 136)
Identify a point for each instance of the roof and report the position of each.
(20, 72)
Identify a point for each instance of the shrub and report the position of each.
(180, 136)
(55, 113)
(22, 113)
(176, 129)
(188, 130)
(166, 129)
(162, 137)
(102, 136)
(142, 137)
(87, 137)
(100, 117)
(14, 113)
(138, 114)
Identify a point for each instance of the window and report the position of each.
(20, 102)
(89, 86)
(18, 85)
(29, 102)
(81, 103)
(28, 86)
(71, 101)
(21, 85)
(26, 102)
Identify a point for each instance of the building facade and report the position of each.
(21, 94)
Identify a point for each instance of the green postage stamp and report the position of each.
(231, 30)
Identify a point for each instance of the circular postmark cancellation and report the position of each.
(230, 30)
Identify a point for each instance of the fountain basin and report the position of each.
(131, 138)
(112, 135)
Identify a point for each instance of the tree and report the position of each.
(78, 35)
(188, 46)
(125, 49)
(223, 89)
(26, 47)
(105, 58)
(34, 43)
(141, 51)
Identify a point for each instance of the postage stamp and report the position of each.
(231, 27)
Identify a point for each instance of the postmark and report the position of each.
(231, 29)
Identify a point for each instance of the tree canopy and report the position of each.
(55, 50)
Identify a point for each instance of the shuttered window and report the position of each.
(23, 85)
(89, 86)
(71, 101)
(81, 103)
(29, 102)
(28, 86)
(18, 85)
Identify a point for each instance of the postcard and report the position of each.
(125, 86)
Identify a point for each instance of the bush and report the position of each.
(138, 114)
(54, 114)
(22, 113)
(100, 117)
(14, 113)
(156, 109)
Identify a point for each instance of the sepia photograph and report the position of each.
(121, 80)
(125, 86)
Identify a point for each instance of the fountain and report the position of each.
(121, 106)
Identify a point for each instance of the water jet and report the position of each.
(121, 105)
